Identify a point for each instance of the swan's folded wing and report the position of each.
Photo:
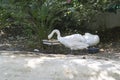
(74, 42)
(78, 45)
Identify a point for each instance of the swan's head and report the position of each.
(49, 36)
(97, 39)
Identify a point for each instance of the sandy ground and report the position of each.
(17, 66)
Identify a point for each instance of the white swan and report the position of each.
(91, 39)
(74, 42)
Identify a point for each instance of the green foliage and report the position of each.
(39, 17)
(36, 16)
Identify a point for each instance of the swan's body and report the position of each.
(74, 42)
(91, 39)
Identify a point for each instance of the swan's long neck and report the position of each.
(53, 32)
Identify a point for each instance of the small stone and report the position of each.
(102, 50)
(12, 56)
(36, 50)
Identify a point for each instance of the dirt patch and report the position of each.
(110, 50)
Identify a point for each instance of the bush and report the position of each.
(39, 17)
(35, 17)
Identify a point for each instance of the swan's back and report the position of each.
(74, 42)
(75, 37)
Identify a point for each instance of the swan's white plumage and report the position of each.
(91, 39)
(74, 42)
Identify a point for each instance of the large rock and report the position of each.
(105, 20)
